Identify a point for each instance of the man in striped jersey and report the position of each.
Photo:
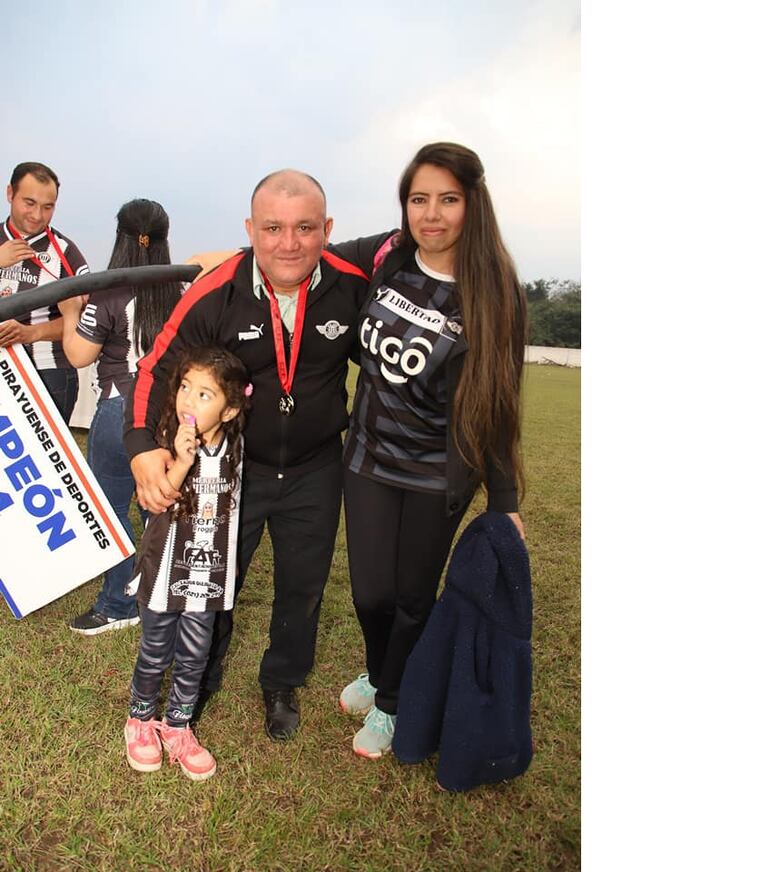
(33, 254)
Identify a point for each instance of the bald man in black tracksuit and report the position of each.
(292, 467)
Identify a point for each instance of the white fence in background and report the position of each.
(559, 356)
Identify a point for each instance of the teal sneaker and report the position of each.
(358, 697)
(375, 737)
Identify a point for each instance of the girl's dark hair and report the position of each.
(493, 306)
(142, 240)
(231, 377)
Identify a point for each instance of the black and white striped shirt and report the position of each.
(27, 275)
(189, 565)
(108, 320)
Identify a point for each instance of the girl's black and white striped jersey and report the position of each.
(27, 275)
(398, 427)
(189, 564)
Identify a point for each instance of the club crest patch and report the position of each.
(331, 329)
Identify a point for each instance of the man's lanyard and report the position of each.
(36, 260)
(286, 403)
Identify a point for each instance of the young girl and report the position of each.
(187, 561)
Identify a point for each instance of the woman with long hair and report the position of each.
(115, 328)
(437, 411)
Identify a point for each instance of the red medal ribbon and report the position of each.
(287, 378)
(36, 260)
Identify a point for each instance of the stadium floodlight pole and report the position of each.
(51, 293)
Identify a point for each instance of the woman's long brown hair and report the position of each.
(487, 404)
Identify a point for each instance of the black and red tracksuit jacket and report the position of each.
(221, 310)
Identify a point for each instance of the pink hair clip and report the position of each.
(248, 390)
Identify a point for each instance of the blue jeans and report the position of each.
(109, 462)
(62, 385)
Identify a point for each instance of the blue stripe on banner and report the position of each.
(9, 599)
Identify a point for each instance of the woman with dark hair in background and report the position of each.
(115, 328)
(436, 411)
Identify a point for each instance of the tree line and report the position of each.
(553, 307)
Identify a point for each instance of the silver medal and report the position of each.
(286, 405)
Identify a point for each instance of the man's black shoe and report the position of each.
(281, 714)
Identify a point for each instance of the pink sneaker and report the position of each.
(143, 745)
(183, 747)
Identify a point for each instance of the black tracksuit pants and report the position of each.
(302, 515)
(398, 542)
(183, 638)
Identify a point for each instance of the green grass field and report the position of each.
(68, 799)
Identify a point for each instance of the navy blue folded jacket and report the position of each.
(467, 684)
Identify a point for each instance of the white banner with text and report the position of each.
(57, 529)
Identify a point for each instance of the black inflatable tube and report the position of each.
(63, 289)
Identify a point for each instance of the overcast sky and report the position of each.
(191, 103)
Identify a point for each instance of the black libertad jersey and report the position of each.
(27, 275)
(189, 565)
(398, 427)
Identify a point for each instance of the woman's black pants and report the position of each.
(398, 542)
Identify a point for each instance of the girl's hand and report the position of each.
(186, 442)
(518, 524)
